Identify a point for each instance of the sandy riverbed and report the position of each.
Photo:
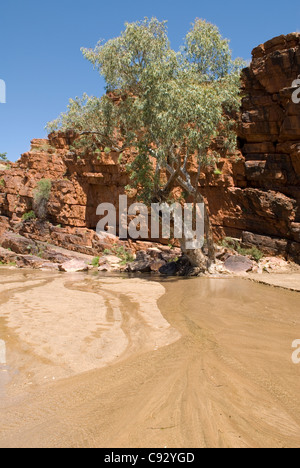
(210, 367)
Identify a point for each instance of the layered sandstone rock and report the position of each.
(254, 197)
(262, 204)
(269, 133)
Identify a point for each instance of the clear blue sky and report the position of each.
(41, 62)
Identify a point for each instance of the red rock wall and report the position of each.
(255, 198)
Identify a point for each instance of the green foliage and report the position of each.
(218, 172)
(209, 53)
(235, 244)
(29, 216)
(169, 103)
(3, 263)
(121, 252)
(230, 243)
(173, 260)
(95, 261)
(3, 157)
(41, 197)
(2, 183)
(253, 252)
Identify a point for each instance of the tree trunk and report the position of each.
(197, 257)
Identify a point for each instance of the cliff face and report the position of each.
(255, 198)
(269, 133)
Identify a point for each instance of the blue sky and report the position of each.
(41, 62)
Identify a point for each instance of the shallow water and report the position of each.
(94, 362)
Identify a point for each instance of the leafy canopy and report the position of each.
(3, 157)
(167, 105)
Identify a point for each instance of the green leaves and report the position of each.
(161, 103)
(207, 51)
(41, 197)
(125, 61)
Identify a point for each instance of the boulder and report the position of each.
(182, 267)
(268, 245)
(238, 264)
(6, 256)
(273, 265)
(29, 261)
(109, 263)
(49, 266)
(73, 266)
(106, 267)
(110, 259)
(139, 266)
(19, 244)
(157, 265)
(169, 269)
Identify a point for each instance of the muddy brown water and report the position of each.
(116, 362)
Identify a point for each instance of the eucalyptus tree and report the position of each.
(168, 106)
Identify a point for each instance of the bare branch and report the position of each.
(186, 185)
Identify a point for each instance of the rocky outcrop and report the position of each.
(254, 196)
(262, 206)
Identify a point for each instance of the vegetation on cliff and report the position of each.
(41, 198)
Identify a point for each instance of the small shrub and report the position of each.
(107, 150)
(95, 261)
(254, 253)
(41, 197)
(2, 183)
(218, 172)
(121, 253)
(3, 263)
(41, 251)
(28, 216)
(235, 244)
(230, 243)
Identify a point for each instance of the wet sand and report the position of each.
(211, 367)
(289, 281)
